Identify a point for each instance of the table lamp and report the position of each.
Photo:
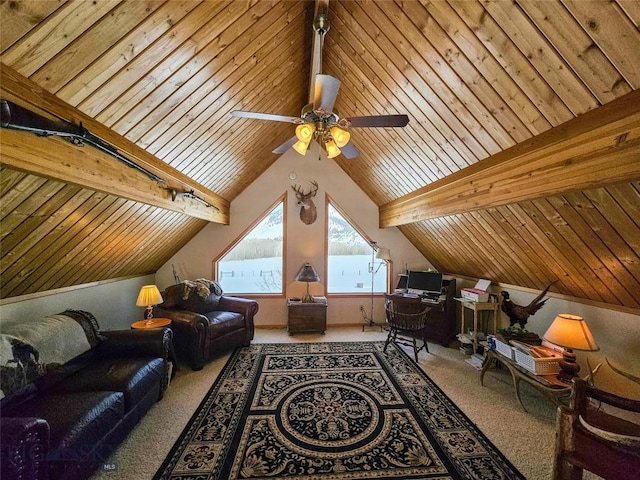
(570, 332)
(148, 297)
(307, 274)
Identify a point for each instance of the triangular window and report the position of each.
(254, 263)
(351, 264)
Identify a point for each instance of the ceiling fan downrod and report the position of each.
(318, 120)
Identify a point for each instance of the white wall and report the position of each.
(616, 333)
(112, 303)
(304, 242)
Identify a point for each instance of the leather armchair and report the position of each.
(206, 323)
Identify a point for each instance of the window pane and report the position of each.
(350, 257)
(254, 264)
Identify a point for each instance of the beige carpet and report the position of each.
(526, 439)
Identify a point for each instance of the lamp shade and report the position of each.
(307, 274)
(340, 136)
(149, 295)
(332, 149)
(305, 132)
(301, 147)
(571, 331)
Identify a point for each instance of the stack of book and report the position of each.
(466, 343)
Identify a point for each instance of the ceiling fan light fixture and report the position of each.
(301, 147)
(340, 136)
(332, 149)
(305, 132)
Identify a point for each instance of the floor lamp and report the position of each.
(384, 255)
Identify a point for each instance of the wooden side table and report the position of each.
(553, 388)
(307, 317)
(478, 307)
(159, 323)
(153, 323)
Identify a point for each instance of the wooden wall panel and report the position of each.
(55, 235)
(587, 242)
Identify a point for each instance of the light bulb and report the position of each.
(301, 147)
(340, 136)
(332, 149)
(305, 131)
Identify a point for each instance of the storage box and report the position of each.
(478, 293)
(504, 349)
(537, 366)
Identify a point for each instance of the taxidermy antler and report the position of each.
(592, 373)
(631, 377)
(308, 212)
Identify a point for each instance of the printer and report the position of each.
(478, 293)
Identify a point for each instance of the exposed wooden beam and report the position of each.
(89, 167)
(596, 149)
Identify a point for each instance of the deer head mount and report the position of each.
(308, 213)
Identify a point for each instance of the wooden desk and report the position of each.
(153, 323)
(307, 317)
(553, 388)
(478, 307)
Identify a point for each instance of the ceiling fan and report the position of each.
(318, 121)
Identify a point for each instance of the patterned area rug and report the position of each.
(330, 411)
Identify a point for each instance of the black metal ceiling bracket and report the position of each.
(191, 194)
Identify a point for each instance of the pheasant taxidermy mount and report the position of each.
(519, 313)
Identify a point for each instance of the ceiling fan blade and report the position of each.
(349, 151)
(286, 145)
(326, 91)
(378, 121)
(266, 116)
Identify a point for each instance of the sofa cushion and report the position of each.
(134, 377)
(200, 296)
(75, 419)
(222, 323)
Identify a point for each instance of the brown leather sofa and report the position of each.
(205, 322)
(64, 420)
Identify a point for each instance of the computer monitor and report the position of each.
(402, 282)
(429, 283)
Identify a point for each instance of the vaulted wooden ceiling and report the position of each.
(510, 168)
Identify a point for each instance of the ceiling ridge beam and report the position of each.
(598, 148)
(93, 169)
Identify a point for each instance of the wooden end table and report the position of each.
(553, 388)
(153, 323)
(307, 317)
(159, 323)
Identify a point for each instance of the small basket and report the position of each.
(504, 349)
(538, 366)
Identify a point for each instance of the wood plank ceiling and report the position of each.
(475, 77)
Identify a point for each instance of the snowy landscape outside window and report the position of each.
(349, 255)
(254, 264)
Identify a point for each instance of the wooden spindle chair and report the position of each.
(598, 432)
(407, 320)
